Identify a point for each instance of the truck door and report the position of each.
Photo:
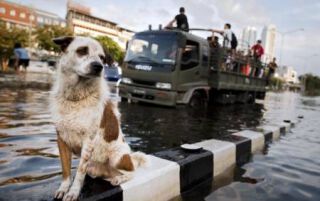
(190, 64)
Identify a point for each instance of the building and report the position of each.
(80, 20)
(21, 16)
(249, 37)
(287, 74)
(268, 38)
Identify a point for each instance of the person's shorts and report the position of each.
(24, 62)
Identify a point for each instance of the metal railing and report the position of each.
(223, 59)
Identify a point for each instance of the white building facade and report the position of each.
(249, 37)
(81, 21)
(287, 74)
(268, 38)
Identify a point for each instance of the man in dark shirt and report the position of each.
(181, 20)
(272, 68)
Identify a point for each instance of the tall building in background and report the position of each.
(268, 37)
(249, 37)
(82, 22)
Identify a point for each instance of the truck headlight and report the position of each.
(126, 80)
(161, 85)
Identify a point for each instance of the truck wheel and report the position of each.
(197, 100)
(124, 99)
(252, 98)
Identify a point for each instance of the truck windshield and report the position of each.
(155, 50)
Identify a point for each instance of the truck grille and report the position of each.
(143, 82)
(148, 97)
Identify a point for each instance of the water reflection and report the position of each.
(157, 128)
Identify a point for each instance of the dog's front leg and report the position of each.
(77, 184)
(65, 158)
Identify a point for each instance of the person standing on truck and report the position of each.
(214, 51)
(214, 42)
(229, 38)
(181, 20)
(272, 68)
(258, 51)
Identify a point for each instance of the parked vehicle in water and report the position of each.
(112, 75)
(171, 67)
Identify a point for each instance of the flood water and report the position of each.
(290, 169)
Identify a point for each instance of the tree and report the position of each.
(8, 38)
(312, 84)
(111, 47)
(45, 34)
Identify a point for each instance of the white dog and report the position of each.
(87, 122)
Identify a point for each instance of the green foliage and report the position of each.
(8, 38)
(111, 47)
(45, 34)
(276, 83)
(312, 84)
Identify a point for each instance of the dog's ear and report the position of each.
(109, 123)
(63, 42)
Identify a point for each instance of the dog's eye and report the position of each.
(102, 58)
(82, 51)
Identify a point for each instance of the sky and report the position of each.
(301, 49)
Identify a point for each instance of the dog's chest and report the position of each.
(75, 126)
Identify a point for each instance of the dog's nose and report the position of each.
(96, 68)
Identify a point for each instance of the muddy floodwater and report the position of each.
(289, 169)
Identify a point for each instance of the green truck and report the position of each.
(172, 67)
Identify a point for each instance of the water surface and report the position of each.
(30, 167)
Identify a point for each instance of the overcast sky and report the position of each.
(301, 49)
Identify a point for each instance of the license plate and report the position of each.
(139, 91)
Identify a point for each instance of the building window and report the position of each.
(22, 15)
(31, 17)
(12, 12)
(40, 19)
(2, 10)
(47, 21)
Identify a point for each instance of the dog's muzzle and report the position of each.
(95, 68)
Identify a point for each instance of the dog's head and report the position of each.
(82, 56)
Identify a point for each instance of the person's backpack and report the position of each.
(234, 41)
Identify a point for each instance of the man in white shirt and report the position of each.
(226, 33)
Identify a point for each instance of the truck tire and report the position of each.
(124, 99)
(252, 98)
(197, 100)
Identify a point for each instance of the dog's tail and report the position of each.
(139, 159)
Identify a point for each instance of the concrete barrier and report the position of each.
(175, 171)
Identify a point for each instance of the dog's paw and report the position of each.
(72, 195)
(117, 180)
(96, 169)
(59, 194)
(63, 189)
